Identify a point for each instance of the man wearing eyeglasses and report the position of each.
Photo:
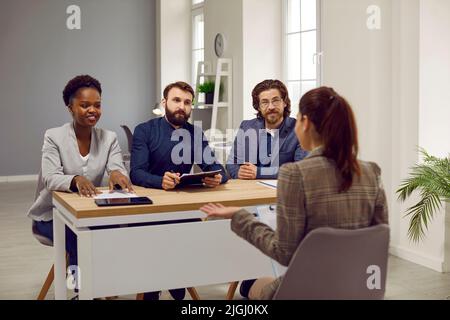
(263, 144)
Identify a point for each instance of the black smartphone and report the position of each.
(123, 201)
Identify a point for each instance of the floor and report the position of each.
(24, 263)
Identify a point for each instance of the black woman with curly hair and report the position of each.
(75, 158)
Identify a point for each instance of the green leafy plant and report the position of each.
(206, 87)
(432, 179)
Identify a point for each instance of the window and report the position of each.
(198, 47)
(301, 47)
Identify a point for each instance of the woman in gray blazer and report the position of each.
(328, 188)
(76, 156)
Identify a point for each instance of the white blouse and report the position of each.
(85, 160)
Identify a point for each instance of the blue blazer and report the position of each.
(250, 145)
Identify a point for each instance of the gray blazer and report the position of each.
(61, 161)
(308, 198)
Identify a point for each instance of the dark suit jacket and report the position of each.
(157, 148)
(250, 145)
(308, 198)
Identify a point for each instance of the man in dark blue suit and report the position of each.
(165, 148)
(263, 144)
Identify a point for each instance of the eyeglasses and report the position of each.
(276, 102)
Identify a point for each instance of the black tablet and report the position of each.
(123, 201)
(196, 178)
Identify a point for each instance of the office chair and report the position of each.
(127, 155)
(51, 274)
(336, 264)
(46, 242)
(129, 135)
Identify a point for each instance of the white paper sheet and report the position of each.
(269, 183)
(106, 194)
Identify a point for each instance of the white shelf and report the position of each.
(222, 76)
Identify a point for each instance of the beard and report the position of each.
(177, 118)
(273, 117)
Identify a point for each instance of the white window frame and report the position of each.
(285, 34)
(197, 9)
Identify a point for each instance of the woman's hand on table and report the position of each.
(117, 178)
(85, 187)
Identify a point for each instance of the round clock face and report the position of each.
(219, 44)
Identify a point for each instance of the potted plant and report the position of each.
(208, 89)
(432, 179)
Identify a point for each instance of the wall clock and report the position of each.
(219, 45)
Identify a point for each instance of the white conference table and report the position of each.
(125, 259)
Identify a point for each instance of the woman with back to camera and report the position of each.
(328, 188)
(76, 156)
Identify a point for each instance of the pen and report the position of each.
(175, 181)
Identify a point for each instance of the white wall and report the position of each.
(421, 53)
(252, 29)
(357, 63)
(38, 55)
(407, 85)
(174, 37)
(397, 81)
(226, 17)
(405, 112)
(262, 43)
(434, 122)
(434, 99)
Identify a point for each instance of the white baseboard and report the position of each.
(24, 178)
(418, 258)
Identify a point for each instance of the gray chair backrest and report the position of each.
(129, 135)
(338, 264)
